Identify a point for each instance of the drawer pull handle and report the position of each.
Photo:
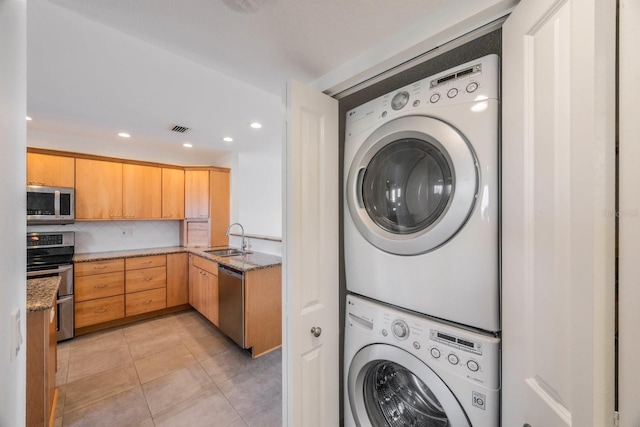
(147, 262)
(102, 310)
(99, 267)
(146, 279)
(100, 286)
(148, 301)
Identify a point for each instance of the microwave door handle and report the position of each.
(56, 203)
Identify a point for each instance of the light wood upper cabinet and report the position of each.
(142, 192)
(172, 193)
(98, 189)
(219, 207)
(52, 171)
(196, 194)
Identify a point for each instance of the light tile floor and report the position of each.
(176, 370)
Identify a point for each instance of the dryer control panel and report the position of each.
(474, 82)
(442, 346)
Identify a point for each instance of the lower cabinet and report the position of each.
(111, 290)
(41, 366)
(203, 287)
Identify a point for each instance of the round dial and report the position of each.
(452, 93)
(472, 87)
(400, 329)
(453, 359)
(435, 98)
(473, 365)
(399, 100)
(435, 353)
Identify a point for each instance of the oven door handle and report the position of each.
(61, 269)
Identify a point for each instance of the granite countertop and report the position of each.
(41, 293)
(252, 261)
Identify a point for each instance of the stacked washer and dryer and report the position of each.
(421, 253)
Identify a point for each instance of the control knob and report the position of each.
(400, 329)
(399, 100)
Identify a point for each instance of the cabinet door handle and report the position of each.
(146, 262)
(99, 267)
(100, 286)
(102, 310)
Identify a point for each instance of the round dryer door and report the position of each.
(412, 185)
(389, 387)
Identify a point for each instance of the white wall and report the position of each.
(13, 87)
(256, 196)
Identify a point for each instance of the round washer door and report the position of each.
(389, 387)
(412, 185)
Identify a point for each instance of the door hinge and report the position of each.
(616, 419)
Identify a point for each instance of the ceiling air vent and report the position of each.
(180, 129)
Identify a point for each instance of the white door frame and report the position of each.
(629, 215)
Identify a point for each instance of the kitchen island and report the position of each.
(41, 350)
(120, 287)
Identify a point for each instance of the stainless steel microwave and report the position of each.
(50, 205)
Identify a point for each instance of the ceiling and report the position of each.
(99, 67)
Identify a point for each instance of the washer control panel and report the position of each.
(469, 354)
(473, 82)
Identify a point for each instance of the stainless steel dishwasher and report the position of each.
(231, 303)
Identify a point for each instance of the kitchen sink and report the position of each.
(229, 252)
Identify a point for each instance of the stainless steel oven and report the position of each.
(51, 254)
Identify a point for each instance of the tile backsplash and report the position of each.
(102, 236)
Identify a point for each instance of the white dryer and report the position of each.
(421, 196)
(406, 370)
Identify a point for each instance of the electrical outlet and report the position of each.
(16, 334)
(127, 232)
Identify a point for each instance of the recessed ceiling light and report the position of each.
(227, 139)
(255, 125)
(124, 135)
(187, 145)
(28, 118)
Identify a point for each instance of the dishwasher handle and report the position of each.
(228, 271)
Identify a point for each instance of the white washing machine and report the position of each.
(407, 370)
(421, 189)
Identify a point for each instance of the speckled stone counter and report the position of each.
(41, 293)
(253, 261)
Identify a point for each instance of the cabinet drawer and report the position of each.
(146, 262)
(98, 267)
(99, 311)
(99, 286)
(145, 301)
(146, 278)
(205, 264)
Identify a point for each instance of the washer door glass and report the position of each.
(412, 185)
(394, 396)
(407, 186)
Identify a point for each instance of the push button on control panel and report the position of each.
(435, 353)
(453, 359)
(434, 98)
(452, 93)
(472, 87)
(473, 365)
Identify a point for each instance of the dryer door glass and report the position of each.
(407, 186)
(395, 397)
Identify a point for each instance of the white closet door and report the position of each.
(311, 259)
(558, 236)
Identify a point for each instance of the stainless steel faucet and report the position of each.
(244, 243)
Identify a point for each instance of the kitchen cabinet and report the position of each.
(173, 203)
(145, 284)
(50, 170)
(98, 189)
(203, 287)
(177, 279)
(263, 310)
(220, 196)
(41, 366)
(196, 193)
(99, 292)
(141, 192)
